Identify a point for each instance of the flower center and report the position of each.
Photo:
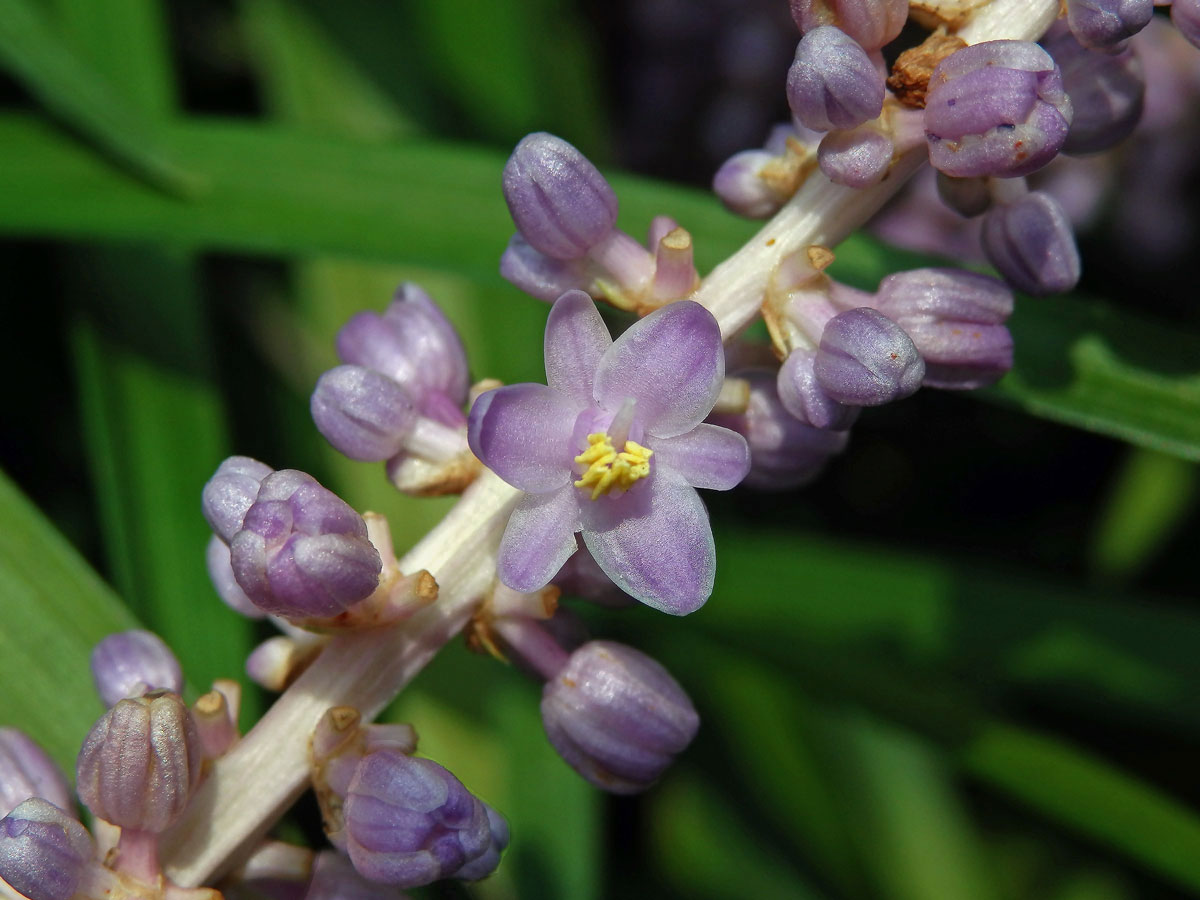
(607, 469)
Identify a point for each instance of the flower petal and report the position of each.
(671, 363)
(708, 456)
(522, 432)
(576, 339)
(655, 543)
(539, 538)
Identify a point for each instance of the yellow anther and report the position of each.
(608, 469)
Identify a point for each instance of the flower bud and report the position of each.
(133, 663)
(996, 108)
(1185, 15)
(365, 415)
(413, 344)
(956, 320)
(26, 771)
(784, 451)
(220, 572)
(140, 763)
(43, 851)
(230, 492)
(302, 550)
(803, 397)
(334, 878)
(559, 201)
(866, 359)
(410, 822)
(872, 23)
(1104, 24)
(1107, 91)
(740, 186)
(833, 83)
(617, 717)
(539, 275)
(485, 864)
(857, 158)
(1030, 242)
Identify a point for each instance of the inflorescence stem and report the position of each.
(252, 785)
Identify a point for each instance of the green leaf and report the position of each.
(54, 609)
(84, 99)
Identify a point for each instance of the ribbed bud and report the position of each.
(485, 864)
(230, 492)
(739, 185)
(539, 275)
(410, 822)
(140, 762)
(803, 397)
(996, 108)
(857, 158)
(559, 201)
(133, 663)
(334, 878)
(26, 771)
(1107, 91)
(617, 717)
(1031, 243)
(872, 23)
(833, 83)
(413, 344)
(1185, 15)
(364, 415)
(43, 851)
(220, 572)
(866, 359)
(956, 320)
(302, 550)
(1104, 24)
(784, 451)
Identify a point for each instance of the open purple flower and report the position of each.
(614, 448)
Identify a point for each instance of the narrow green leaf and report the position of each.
(84, 99)
(55, 609)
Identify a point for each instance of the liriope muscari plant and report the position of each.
(587, 484)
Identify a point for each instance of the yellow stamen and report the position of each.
(607, 469)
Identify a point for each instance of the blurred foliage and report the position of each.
(964, 664)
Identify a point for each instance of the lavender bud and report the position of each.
(485, 864)
(803, 397)
(303, 551)
(133, 663)
(559, 201)
(996, 108)
(866, 359)
(1103, 24)
(410, 822)
(140, 763)
(617, 717)
(334, 878)
(969, 197)
(364, 415)
(872, 23)
(43, 851)
(832, 82)
(537, 274)
(740, 185)
(956, 320)
(26, 771)
(413, 344)
(1107, 92)
(784, 451)
(220, 571)
(1030, 242)
(1185, 15)
(857, 158)
(230, 492)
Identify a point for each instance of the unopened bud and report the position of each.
(1107, 91)
(866, 359)
(43, 851)
(1031, 243)
(1104, 24)
(133, 663)
(833, 83)
(27, 771)
(872, 23)
(365, 415)
(230, 492)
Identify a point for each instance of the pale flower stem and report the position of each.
(267, 770)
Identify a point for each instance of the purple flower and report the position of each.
(1031, 243)
(614, 448)
(996, 108)
(43, 851)
(132, 663)
(872, 23)
(832, 82)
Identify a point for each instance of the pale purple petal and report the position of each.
(655, 543)
(539, 538)
(708, 456)
(522, 432)
(576, 340)
(671, 363)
